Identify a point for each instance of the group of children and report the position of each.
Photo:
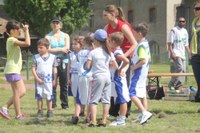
(96, 71)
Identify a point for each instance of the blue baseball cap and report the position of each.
(100, 35)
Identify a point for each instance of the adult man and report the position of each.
(177, 43)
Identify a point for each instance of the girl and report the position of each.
(14, 66)
(73, 65)
(100, 59)
(84, 84)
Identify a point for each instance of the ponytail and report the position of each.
(120, 15)
(106, 47)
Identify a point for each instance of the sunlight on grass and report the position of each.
(177, 116)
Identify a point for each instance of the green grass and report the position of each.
(178, 116)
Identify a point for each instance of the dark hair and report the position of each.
(12, 25)
(78, 39)
(118, 37)
(118, 11)
(142, 27)
(105, 46)
(88, 40)
(43, 42)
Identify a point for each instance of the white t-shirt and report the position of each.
(179, 38)
(100, 61)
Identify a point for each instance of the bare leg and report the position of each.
(49, 105)
(123, 109)
(77, 109)
(145, 103)
(138, 103)
(93, 109)
(39, 104)
(19, 90)
(105, 111)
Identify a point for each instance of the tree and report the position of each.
(39, 13)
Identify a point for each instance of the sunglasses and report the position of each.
(181, 21)
(56, 22)
(196, 8)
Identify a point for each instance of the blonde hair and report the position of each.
(117, 11)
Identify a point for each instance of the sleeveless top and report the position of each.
(58, 44)
(126, 44)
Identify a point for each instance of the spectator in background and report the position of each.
(195, 47)
(60, 45)
(177, 44)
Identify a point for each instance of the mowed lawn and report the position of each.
(169, 116)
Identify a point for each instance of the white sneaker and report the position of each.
(145, 116)
(138, 119)
(119, 122)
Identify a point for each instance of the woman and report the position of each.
(114, 17)
(195, 47)
(60, 45)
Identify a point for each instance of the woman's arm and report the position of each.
(129, 35)
(64, 49)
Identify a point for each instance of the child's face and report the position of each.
(76, 46)
(42, 49)
(137, 35)
(112, 43)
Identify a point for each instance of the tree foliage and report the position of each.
(39, 13)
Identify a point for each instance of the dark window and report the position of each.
(91, 21)
(152, 14)
(130, 16)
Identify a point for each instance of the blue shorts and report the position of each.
(13, 77)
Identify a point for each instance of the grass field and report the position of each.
(169, 116)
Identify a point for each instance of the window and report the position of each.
(130, 16)
(152, 14)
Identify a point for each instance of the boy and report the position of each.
(120, 82)
(139, 70)
(44, 70)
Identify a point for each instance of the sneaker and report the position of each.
(82, 114)
(145, 116)
(102, 123)
(87, 120)
(49, 113)
(4, 113)
(119, 122)
(21, 117)
(54, 106)
(39, 114)
(138, 119)
(92, 124)
(75, 119)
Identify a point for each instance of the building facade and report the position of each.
(161, 15)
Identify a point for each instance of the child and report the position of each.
(100, 58)
(44, 69)
(140, 66)
(73, 65)
(84, 84)
(13, 67)
(116, 39)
